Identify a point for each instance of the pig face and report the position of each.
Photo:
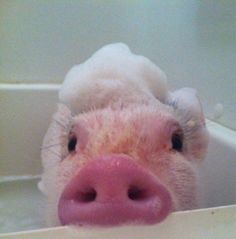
(122, 164)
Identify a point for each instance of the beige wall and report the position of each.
(194, 42)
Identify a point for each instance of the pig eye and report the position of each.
(177, 141)
(72, 144)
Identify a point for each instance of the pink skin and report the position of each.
(113, 190)
(123, 168)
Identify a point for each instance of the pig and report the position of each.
(121, 148)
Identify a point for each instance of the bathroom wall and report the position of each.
(194, 42)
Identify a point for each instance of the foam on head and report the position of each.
(112, 74)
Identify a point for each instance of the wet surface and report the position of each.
(22, 206)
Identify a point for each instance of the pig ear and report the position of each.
(54, 147)
(188, 110)
(63, 114)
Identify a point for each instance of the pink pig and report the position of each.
(121, 148)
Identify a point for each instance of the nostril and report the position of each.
(136, 194)
(87, 196)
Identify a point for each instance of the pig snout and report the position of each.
(114, 190)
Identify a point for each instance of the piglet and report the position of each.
(121, 148)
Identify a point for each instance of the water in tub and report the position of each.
(21, 204)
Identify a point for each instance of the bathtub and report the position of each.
(25, 114)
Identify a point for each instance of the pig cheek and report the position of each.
(57, 178)
(179, 177)
(52, 188)
(184, 183)
(67, 169)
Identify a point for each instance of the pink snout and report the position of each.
(114, 190)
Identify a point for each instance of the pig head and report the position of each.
(121, 148)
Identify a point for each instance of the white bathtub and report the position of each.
(24, 117)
